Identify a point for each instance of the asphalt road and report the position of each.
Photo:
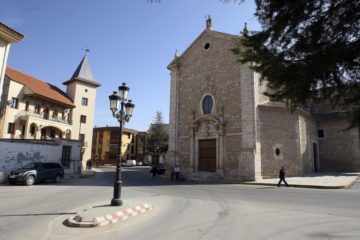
(181, 211)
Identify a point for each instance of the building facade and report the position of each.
(33, 109)
(105, 149)
(223, 127)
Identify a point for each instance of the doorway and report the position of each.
(315, 156)
(65, 156)
(207, 155)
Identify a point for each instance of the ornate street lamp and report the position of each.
(122, 115)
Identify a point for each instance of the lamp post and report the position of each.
(157, 155)
(116, 99)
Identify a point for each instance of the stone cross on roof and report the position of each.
(208, 22)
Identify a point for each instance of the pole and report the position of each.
(116, 201)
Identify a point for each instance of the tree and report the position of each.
(158, 134)
(307, 50)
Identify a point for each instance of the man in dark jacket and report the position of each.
(282, 176)
(153, 171)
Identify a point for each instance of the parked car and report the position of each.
(139, 163)
(129, 163)
(147, 162)
(37, 172)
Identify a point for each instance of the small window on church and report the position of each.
(207, 46)
(277, 151)
(207, 105)
(321, 133)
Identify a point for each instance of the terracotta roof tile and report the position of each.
(39, 87)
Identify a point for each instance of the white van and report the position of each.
(129, 163)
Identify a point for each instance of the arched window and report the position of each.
(207, 104)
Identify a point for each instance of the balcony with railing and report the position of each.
(25, 115)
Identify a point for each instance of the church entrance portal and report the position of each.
(207, 155)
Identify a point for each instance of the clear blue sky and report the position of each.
(130, 41)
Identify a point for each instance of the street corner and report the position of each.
(104, 215)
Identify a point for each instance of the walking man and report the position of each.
(153, 171)
(282, 176)
(172, 173)
(88, 164)
(177, 172)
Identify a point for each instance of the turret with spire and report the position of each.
(83, 73)
(81, 89)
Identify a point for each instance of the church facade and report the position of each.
(222, 126)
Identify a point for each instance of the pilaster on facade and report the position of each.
(250, 161)
(7, 37)
(257, 121)
(173, 118)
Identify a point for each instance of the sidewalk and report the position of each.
(321, 180)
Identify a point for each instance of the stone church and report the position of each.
(222, 126)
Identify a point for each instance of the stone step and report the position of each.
(204, 176)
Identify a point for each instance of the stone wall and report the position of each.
(232, 155)
(286, 140)
(340, 148)
(15, 153)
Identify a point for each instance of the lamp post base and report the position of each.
(116, 202)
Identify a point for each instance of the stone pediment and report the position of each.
(206, 33)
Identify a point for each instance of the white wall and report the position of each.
(4, 52)
(17, 153)
(15, 90)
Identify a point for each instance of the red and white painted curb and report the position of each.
(110, 218)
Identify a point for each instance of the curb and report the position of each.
(123, 215)
(301, 185)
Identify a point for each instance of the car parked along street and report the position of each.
(36, 172)
(129, 163)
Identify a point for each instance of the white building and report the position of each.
(34, 109)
